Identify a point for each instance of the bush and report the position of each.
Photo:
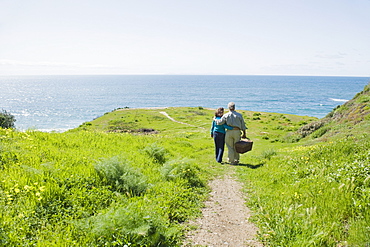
(136, 224)
(158, 154)
(291, 138)
(311, 127)
(121, 176)
(182, 169)
(320, 132)
(6, 120)
(268, 153)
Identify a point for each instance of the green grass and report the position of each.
(314, 195)
(105, 184)
(60, 184)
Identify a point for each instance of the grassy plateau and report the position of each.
(133, 177)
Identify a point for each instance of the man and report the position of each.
(236, 120)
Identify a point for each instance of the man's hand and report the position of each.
(244, 136)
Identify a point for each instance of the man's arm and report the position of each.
(228, 127)
(220, 121)
(244, 127)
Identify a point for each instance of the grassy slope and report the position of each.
(69, 189)
(71, 184)
(318, 192)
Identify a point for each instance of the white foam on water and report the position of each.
(339, 100)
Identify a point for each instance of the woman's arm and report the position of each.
(212, 128)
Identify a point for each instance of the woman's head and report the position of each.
(219, 112)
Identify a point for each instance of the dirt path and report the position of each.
(225, 218)
(172, 119)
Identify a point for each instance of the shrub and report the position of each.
(121, 125)
(136, 224)
(182, 169)
(302, 122)
(6, 120)
(279, 127)
(121, 176)
(291, 138)
(363, 99)
(311, 127)
(158, 154)
(320, 132)
(268, 153)
(180, 202)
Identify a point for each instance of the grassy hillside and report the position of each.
(133, 177)
(84, 188)
(110, 183)
(317, 193)
(351, 118)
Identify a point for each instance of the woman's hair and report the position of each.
(219, 111)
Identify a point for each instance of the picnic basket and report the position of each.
(243, 146)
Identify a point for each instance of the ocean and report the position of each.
(59, 103)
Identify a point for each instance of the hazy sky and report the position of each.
(259, 37)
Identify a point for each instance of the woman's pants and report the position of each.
(219, 139)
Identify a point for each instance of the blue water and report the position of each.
(63, 102)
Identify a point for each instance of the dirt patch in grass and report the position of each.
(136, 131)
(225, 218)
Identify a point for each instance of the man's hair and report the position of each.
(231, 106)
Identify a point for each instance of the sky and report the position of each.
(207, 37)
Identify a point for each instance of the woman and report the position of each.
(218, 134)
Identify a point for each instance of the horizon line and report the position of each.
(165, 74)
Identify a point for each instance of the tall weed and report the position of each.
(136, 224)
(158, 154)
(182, 169)
(121, 176)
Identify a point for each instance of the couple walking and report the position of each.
(226, 129)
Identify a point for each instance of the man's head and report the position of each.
(231, 106)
